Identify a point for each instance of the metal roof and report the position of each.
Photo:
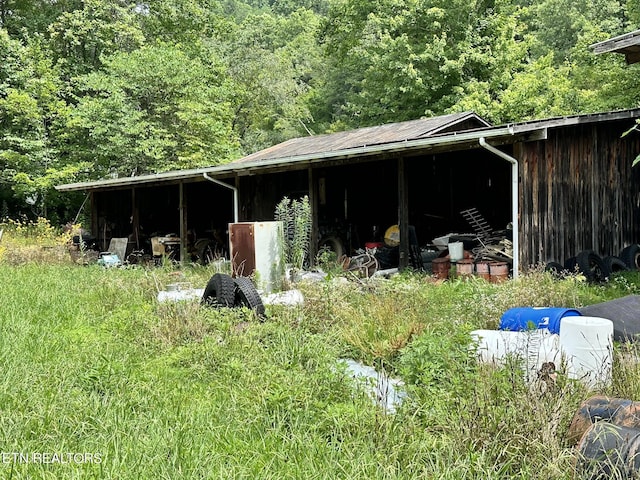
(296, 153)
(361, 137)
(628, 44)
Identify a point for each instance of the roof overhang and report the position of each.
(436, 144)
(627, 44)
(440, 143)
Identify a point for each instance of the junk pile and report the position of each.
(492, 245)
(486, 253)
(561, 336)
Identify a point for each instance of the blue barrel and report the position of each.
(531, 318)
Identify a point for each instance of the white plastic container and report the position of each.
(456, 251)
(587, 345)
(531, 348)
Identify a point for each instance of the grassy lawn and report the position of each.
(94, 366)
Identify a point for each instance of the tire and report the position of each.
(631, 256)
(333, 244)
(592, 266)
(220, 291)
(246, 295)
(554, 268)
(570, 264)
(615, 264)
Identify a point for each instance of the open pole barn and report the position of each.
(556, 186)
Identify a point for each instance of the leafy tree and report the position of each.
(394, 61)
(154, 109)
(273, 62)
(540, 91)
(182, 22)
(81, 37)
(32, 17)
(32, 115)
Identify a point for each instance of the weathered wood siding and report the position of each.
(578, 192)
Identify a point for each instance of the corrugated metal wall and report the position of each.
(578, 192)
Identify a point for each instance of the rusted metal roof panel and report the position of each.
(441, 134)
(363, 137)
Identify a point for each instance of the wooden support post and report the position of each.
(135, 218)
(184, 249)
(313, 203)
(241, 209)
(95, 225)
(403, 215)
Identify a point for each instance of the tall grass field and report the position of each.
(101, 381)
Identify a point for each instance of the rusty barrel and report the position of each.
(464, 267)
(482, 270)
(498, 271)
(440, 267)
(619, 411)
(608, 451)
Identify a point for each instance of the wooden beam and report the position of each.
(313, 203)
(403, 214)
(95, 225)
(135, 218)
(616, 45)
(241, 210)
(184, 249)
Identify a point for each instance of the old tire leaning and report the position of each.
(220, 291)
(592, 266)
(333, 244)
(570, 264)
(246, 295)
(554, 268)
(631, 256)
(615, 264)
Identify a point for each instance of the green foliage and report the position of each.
(98, 88)
(183, 391)
(181, 22)
(154, 109)
(33, 114)
(295, 216)
(274, 63)
(81, 37)
(404, 63)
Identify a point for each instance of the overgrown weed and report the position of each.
(37, 241)
(94, 362)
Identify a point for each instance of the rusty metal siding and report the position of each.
(579, 192)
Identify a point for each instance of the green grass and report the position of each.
(92, 363)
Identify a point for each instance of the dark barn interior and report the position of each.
(355, 202)
(577, 188)
(151, 211)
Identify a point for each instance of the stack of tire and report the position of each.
(596, 268)
(222, 290)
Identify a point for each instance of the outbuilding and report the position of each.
(559, 186)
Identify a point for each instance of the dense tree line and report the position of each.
(97, 88)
